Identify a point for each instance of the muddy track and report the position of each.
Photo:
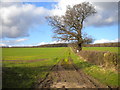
(66, 75)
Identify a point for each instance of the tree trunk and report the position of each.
(79, 47)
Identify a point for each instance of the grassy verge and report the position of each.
(110, 49)
(105, 76)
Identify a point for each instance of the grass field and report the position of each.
(30, 53)
(23, 67)
(21, 74)
(110, 49)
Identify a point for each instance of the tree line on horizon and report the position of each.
(115, 44)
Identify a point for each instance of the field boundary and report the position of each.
(101, 58)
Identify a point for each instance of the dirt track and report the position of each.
(66, 75)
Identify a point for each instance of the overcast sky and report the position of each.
(24, 23)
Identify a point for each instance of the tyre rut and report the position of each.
(66, 75)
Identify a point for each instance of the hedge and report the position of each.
(106, 59)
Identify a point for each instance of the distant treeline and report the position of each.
(66, 45)
(54, 45)
(116, 44)
(46, 45)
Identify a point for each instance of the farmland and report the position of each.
(20, 68)
(26, 67)
(30, 53)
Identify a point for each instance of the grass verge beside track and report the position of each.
(105, 76)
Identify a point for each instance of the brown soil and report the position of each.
(66, 75)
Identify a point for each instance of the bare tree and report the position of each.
(69, 27)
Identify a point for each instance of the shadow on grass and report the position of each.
(25, 77)
(22, 77)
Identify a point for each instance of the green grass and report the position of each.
(26, 74)
(110, 49)
(30, 53)
(105, 76)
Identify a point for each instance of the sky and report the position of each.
(24, 23)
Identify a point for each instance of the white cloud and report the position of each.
(60, 8)
(42, 43)
(107, 12)
(2, 45)
(18, 18)
(21, 40)
(54, 42)
(106, 41)
(12, 42)
(21, 45)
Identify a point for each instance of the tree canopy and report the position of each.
(68, 27)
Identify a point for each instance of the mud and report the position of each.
(66, 75)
